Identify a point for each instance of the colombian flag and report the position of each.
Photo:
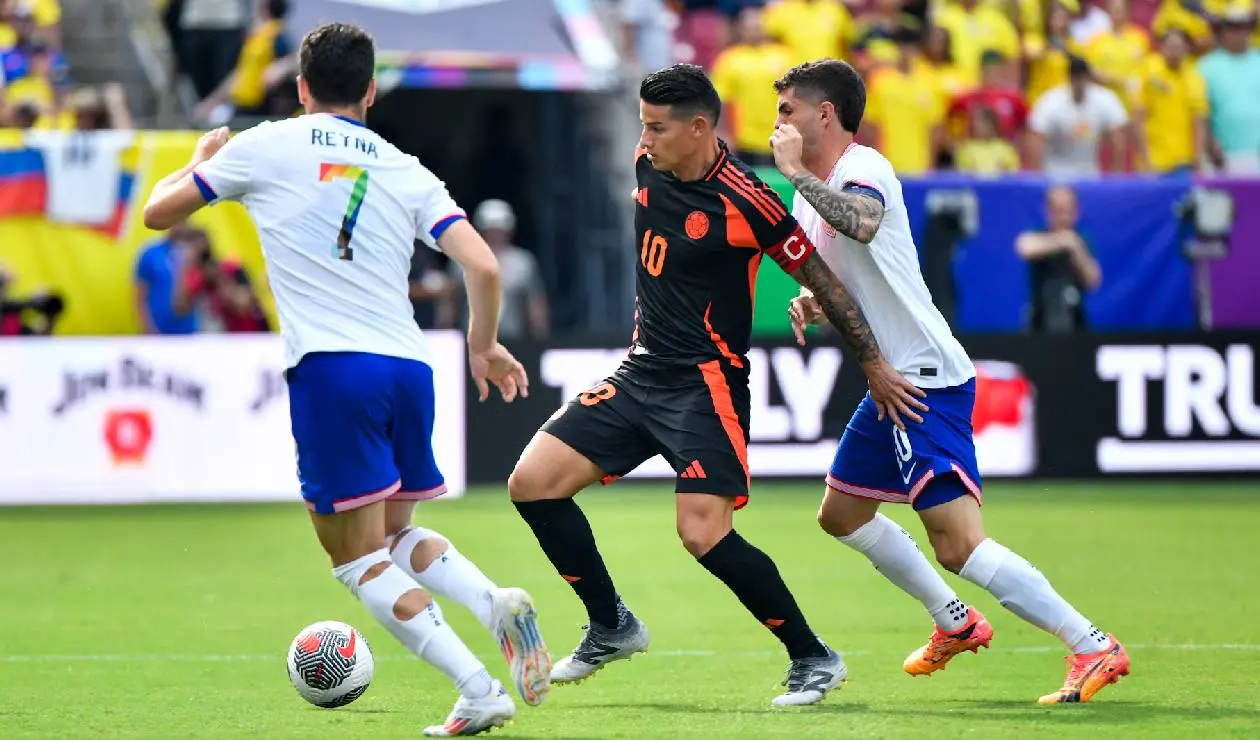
(24, 185)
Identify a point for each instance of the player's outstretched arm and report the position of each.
(854, 214)
(178, 196)
(489, 361)
(892, 393)
(839, 307)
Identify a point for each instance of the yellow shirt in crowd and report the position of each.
(986, 157)
(744, 76)
(263, 46)
(812, 30)
(1172, 99)
(1119, 55)
(1047, 66)
(971, 33)
(905, 107)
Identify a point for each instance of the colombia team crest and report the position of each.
(697, 225)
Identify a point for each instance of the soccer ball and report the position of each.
(330, 664)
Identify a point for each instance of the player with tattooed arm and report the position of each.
(849, 202)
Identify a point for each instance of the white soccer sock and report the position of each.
(1022, 588)
(426, 635)
(451, 575)
(894, 553)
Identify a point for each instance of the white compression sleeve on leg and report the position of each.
(895, 554)
(450, 575)
(1023, 589)
(426, 635)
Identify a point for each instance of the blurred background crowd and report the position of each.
(1069, 89)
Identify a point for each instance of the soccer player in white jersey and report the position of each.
(849, 202)
(338, 211)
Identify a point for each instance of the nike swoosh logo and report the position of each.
(347, 652)
(906, 478)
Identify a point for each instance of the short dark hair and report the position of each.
(686, 89)
(337, 60)
(831, 81)
(277, 9)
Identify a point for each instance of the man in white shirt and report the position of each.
(849, 203)
(338, 210)
(1069, 122)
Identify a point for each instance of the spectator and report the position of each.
(1232, 75)
(262, 64)
(218, 293)
(429, 286)
(647, 28)
(884, 21)
(1069, 123)
(903, 109)
(986, 153)
(811, 29)
(997, 93)
(1186, 16)
(524, 312)
(1170, 109)
(1048, 53)
(974, 28)
(744, 75)
(1060, 267)
(160, 263)
(1090, 21)
(702, 31)
(15, 58)
(935, 59)
(1116, 55)
(212, 33)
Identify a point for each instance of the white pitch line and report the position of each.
(186, 658)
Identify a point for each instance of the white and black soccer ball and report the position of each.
(330, 664)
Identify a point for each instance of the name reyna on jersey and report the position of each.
(336, 139)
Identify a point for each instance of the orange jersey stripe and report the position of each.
(739, 232)
(725, 408)
(771, 204)
(725, 177)
(719, 342)
(753, 264)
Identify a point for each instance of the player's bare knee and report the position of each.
(524, 484)
(839, 515)
(426, 552)
(411, 603)
(373, 571)
(698, 537)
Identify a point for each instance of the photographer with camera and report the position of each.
(1061, 268)
(34, 315)
(218, 292)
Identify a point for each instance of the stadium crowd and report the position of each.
(1068, 87)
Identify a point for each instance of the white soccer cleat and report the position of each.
(515, 626)
(809, 679)
(475, 716)
(601, 646)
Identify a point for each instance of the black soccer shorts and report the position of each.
(695, 417)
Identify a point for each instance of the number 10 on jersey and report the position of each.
(653, 253)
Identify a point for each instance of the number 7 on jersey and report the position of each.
(331, 172)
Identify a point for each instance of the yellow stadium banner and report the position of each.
(94, 271)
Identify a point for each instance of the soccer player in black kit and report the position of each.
(702, 223)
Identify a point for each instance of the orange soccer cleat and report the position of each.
(1089, 672)
(943, 646)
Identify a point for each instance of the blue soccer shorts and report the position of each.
(363, 424)
(877, 460)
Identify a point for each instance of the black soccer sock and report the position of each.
(565, 536)
(753, 577)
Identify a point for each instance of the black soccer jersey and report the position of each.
(699, 245)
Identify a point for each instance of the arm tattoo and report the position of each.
(839, 307)
(852, 214)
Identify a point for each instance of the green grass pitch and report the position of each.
(172, 622)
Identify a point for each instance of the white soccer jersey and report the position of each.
(884, 278)
(337, 209)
